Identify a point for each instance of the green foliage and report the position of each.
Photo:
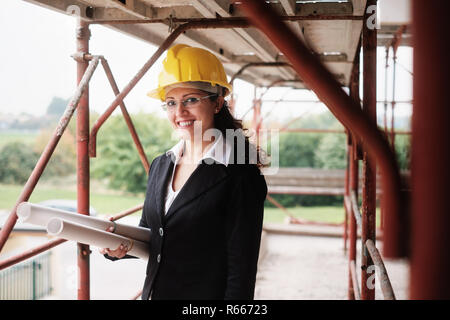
(117, 158)
(331, 153)
(17, 161)
(63, 161)
(298, 150)
(403, 150)
(324, 120)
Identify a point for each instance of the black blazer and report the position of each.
(207, 245)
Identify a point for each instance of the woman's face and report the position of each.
(182, 117)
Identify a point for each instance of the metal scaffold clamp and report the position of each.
(172, 24)
(81, 56)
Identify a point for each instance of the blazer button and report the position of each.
(161, 232)
(158, 258)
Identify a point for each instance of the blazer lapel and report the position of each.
(164, 172)
(204, 177)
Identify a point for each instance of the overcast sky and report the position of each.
(35, 66)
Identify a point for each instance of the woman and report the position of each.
(205, 196)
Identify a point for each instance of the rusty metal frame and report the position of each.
(430, 171)
(321, 81)
(83, 165)
(395, 44)
(385, 282)
(369, 107)
(355, 293)
(174, 20)
(351, 205)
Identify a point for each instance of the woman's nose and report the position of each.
(180, 109)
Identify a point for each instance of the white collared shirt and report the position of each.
(214, 152)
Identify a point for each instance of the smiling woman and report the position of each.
(205, 196)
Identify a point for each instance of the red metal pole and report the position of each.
(386, 66)
(228, 19)
(256, 121)
(347, 190)
(369, 44)
(353, 178)
(82, 137)
(328, 89)
(430, 170)
(395, 44)
(394, 71)
(30, 253)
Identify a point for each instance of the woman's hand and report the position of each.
(120, 252)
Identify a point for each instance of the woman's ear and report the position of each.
(219, 104)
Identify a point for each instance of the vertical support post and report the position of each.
(369, 167)
(394, 71)
(430, 170)
(256, 122)
(82, 138)
(386, 67)
(347, 189)
(33, 278)
(385, 124)
(353, 175)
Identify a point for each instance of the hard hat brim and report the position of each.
(159, 93)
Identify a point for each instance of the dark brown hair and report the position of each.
(224, 120)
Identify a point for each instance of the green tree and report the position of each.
(63, 161)
(17, 160)
(298, 149)
(117, 159)
(331, 152)
(324, 120)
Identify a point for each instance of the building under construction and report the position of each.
(328, 47)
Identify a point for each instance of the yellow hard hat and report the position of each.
(188, 64)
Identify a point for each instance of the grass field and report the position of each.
(17, 136)
(322, 214)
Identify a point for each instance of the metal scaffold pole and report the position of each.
(353, 177)
(369, 44)
(82, 141)
(430, 170)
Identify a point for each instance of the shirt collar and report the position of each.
(213, 152)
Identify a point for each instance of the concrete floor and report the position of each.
(297, 267)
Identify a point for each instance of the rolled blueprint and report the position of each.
(74, 231)
(40, 215)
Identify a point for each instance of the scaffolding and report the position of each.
(401, 236)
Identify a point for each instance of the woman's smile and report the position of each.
(185, 123)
